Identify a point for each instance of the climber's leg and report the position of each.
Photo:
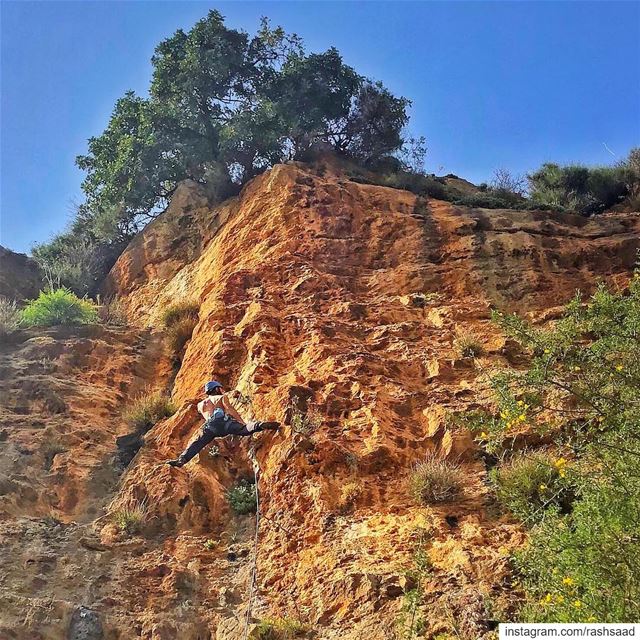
(267, 426)
(234, 428)
(205, 437)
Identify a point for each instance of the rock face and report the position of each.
(332, 306)
(85, 625)
(20, 276)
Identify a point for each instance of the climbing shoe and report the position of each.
(178, 462)
(270, 426)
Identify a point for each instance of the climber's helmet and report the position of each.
(213, 388)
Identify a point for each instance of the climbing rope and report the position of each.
(248, 402)
(254, 570)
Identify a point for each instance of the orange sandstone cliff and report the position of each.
(326, 303)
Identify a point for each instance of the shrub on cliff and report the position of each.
(179, 310)
(435, 480)
(81, 257)
(179, 320)
(242, 498)
(131, 519)
(530, 483)
(418, 183)
(581, 388)
(9, 317)
(147, 409)
(59, 306)
(586, 190)
(279, 629)
(467, 344)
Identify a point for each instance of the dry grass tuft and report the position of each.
(435, 480)
(147, 409)
(468, 344)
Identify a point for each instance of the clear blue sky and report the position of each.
(504, 84)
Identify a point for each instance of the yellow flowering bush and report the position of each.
(580, 391)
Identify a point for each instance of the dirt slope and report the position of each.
(318, 296)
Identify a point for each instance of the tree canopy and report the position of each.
(219, 97)
(222, 106)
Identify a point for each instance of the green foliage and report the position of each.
(279, 629)
(410, 624)
(147, 409)
(242, 497)
(582, 388)
(491, 199)
(225, 103)
(585, 190)
(435, 480)
(222, 107)
(80, 257)
(420, 184)
(529, 484)
(59, 306)
(130, 520)
(632, 168)
(586, 566)
(9, 317)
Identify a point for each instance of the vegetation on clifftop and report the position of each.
(223, 106)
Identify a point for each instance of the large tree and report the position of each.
(222, 106)
(221, 97)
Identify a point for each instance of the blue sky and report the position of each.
(493, 84)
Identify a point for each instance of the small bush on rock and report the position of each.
(279, 629)
(147, 409)
(178, 334)
(179, 310)
(242, 498)
(530, 483)
(130, 520)
(435, 480)
(59, 307)
(467, 344)
(305, 423)
(179, 320)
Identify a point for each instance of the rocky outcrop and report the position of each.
(333, 307)
(348, 296)
(20, 277)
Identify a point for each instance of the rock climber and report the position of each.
(221, 419)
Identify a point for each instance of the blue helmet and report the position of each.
(211, 386)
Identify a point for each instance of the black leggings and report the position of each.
(214, 429)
